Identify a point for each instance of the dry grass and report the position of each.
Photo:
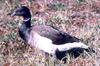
(80, 18)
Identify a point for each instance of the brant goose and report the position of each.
(47, 38)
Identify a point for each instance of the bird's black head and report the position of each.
(21, 11)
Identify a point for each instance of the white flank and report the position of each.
(69, 46)
(46, 45)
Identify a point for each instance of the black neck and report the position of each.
(26, 23)
(24, 29)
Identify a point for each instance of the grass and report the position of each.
(79, 18)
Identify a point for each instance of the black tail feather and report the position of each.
(74, 53)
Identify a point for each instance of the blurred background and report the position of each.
(80, 18)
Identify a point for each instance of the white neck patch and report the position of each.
(26, 19)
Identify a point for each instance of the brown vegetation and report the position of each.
(80, 18)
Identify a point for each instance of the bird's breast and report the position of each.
(41, 43)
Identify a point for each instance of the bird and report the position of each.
(47, 38)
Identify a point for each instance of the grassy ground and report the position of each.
(80, 18)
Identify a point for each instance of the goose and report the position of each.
(47, 38)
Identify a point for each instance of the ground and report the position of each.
(80, 18)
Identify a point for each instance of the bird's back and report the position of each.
(57, 36)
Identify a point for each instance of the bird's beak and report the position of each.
(12, 14)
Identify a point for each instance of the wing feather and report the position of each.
(58, 37)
